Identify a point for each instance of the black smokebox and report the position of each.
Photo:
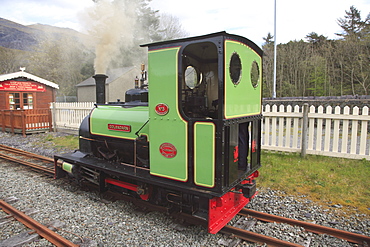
(100, 87)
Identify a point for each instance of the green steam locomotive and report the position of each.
(189, 139)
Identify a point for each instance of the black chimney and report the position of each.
(100, 88)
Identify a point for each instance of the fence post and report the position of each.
(3, 119)
(23, 122)
(50, 120)
(11, 117)
(53, 115)
(304, 129)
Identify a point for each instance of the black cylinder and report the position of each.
(100, 88)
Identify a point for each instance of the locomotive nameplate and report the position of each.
(119, 127)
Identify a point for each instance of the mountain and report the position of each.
(56, 33)
(16, 36)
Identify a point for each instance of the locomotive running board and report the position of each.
(125, 170)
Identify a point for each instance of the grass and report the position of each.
(68, 142)
(326, 180)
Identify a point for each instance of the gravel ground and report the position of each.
(103, 223)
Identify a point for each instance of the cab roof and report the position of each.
(224, 35)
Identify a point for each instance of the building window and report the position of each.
(27, 101)
(19, 101)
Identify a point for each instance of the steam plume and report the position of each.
(111, 25)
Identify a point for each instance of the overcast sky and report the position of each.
(252, 19)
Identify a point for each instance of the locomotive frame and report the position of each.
(194, 144)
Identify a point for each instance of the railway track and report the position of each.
(35, 226)
(248, 235)
(35, 161)
(47, 166)
(318, 229)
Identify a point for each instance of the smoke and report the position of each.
(111, 25)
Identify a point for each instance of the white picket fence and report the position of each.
(311, 130)
(68, 116)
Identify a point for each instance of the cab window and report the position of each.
(199, 80)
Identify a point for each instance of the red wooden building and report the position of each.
(24, 102)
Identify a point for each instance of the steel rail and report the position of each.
(25, 153)
(348, 236)
(40, 229)
(239, 233)
(256, 237)
(23, 162)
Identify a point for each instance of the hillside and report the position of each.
(56, 33)
(16, 36)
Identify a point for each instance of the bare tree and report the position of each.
(11, 60)
(60, 62)
(170, 27)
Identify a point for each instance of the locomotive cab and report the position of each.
(211, 88)
(208, 133)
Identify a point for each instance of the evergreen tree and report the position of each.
(268, 39)
(267, 65)
(352, 24)
(314, 38)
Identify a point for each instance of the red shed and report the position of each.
(24, 102)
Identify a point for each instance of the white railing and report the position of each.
(68, 116)
(311, 130)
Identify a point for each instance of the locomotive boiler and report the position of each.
(188, 139)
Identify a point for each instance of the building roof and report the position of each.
(21, 73)
(112, 74)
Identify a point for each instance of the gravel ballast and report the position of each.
(103, 223)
